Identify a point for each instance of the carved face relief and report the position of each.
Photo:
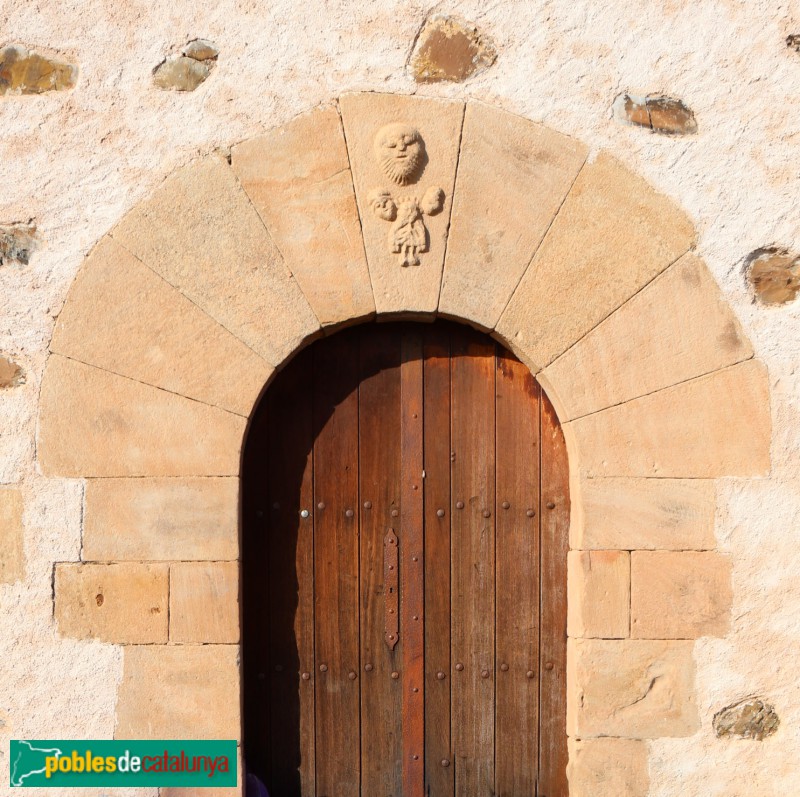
(400, 151)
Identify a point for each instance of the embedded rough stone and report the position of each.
(632, 688)
(123, 317)
(17, 242)
(161, 519)
(11, 374)
(612, 236)
(179, 692)
(27, 72)
(201, 233)
(793, 42)
(204, 602)
(773, 274)
(661, 514)
(680, 594)
(599, 594)
(658, 113)
(715, 425)
(608, 768)
(201, 50)
(298, 178)
(642, 347)
(12, 541)
(449, 49)
(122, 603)
(94, 423)
(750, 718)
(492, 234)
(398, 289)
(187, 71)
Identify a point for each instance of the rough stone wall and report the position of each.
(74, 161)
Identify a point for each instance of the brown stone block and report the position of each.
(613, 234)
(425, 134)
(162, 519)
(123, 317)
(94, 423)
(204, 602)
(179, 692)
(633, 688)
(599, 594)
(716, 425)
(676, 328)
(200, 232)
(12, 536)
(668, 514)
(124, 603)
(513, 176)
(298, 177)
(680, 594)
(608, 768)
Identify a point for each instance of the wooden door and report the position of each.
(405, 513)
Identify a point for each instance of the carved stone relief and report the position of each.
(400, 151)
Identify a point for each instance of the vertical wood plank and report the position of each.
(472, 552)
(412, 607)
(379, 476)
(439, 769)
(336, 567)
(554, 529)
(517, 573)
(291, 583)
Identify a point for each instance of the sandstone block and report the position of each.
(124, 603)
(493, 234)
(26, 72)
(299, 180)
(94, 423)
(634, 688)
(163, 519)
(680, 594)
(179, 692)
(608, 768)
(123, 317)
(613, 234)
(200, 232)
(204, 602)
(12, 536)
(662, 514)
(716, 425)
(403, 151)
(676, 328)
(599, 594)
(448, 49)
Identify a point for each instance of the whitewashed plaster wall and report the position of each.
(76, 161)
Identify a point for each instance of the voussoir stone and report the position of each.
(632, 688)
(513, 176)
(661, 514)
(399, 289)
(179, 692)
(200, 232)
(94, 423)
(680, 594)
(12, 536)
(161, 519)
(298, 177)
(123, 603)
(715, 425)
(599, 594)
(608, 768)
(676, 328)
(123, 317)
(204, 602)
(613, 234)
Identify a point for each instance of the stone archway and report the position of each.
(182, 313)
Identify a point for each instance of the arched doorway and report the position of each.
(405, 519)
